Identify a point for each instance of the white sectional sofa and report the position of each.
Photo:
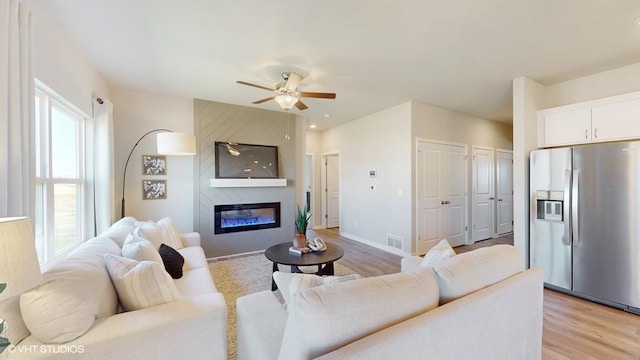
(478, 305)
(76, 314)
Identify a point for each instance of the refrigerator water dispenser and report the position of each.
(549, 205)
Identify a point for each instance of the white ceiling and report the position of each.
(457, 54)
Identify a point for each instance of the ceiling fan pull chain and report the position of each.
(286, 126)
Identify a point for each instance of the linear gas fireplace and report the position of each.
(246, 217)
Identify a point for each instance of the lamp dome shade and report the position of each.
(19, 267)
(174, 143)
(286, 101)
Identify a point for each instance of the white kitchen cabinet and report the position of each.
(618, 121)
(609, 119)
(566, 127)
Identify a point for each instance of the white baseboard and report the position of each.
(375, 244)
(233, 256)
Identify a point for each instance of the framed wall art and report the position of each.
(154, 189)
(154, 165)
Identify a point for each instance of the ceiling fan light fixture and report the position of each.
(286, 101)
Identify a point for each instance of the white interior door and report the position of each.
(332, 163)
(482, 194)
(429, 214)
(441, 194)
(455, 202)
(505, 191)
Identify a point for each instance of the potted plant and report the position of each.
(4, 342)
(302, 221)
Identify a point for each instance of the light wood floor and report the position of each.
(573, 328)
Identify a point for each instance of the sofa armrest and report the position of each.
(410, 263)
(193, 328)
(260, 327)
(190, 239)
(512, 307)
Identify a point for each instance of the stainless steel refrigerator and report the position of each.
(585, 221)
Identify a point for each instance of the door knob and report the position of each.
(492, 198)
(499, 199)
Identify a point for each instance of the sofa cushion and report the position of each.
(140, 284)
(324, 318)
(195, 282)
(172, 260)
(72, 294)
(139, 249)
(194, 258)
(289, 283)
(474, 270)
(442, 251)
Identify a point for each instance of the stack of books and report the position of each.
(299, 251)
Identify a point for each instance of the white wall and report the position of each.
(136, 113)
(436, 123)
(381, 141)
(61, 66)
(527, 98)
(446, 125)
(385, 141)
(608, 83)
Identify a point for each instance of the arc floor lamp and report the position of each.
(167, 143)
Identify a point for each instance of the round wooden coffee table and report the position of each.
(279, 254)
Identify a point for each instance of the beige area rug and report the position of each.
(240, 276)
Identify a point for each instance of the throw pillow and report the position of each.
(442, 251)
(290, 284)
(477, 269)
(163, 231)
(139, 249)
(140, 284)
(172, 261)
(150, 231)
(170, 232)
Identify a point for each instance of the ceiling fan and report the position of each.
(287, 92)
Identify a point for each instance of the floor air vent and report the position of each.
(394, 241)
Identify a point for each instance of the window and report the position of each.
(59, 153)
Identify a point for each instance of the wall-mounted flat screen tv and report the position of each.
(246, 161)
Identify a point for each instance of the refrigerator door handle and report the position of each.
(566, 210)
(574, 208)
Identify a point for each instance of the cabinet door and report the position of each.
(616, 121)
(567, 127)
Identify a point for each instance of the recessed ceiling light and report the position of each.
(637, 22)
(313, 126)
(327, 115)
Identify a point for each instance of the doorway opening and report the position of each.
(331, 187)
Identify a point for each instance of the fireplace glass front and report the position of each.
(246, 217)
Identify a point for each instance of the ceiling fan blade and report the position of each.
(263, 100)
(254, 85)
(318, 95)
(301, 106)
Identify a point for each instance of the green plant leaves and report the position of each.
(4, 342)
(302, 219)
